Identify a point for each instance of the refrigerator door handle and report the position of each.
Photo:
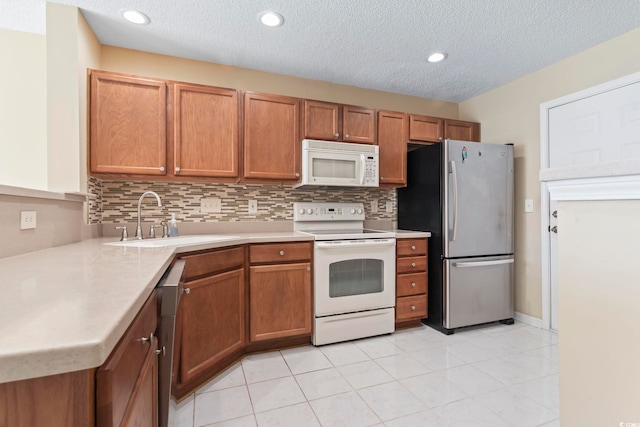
(484, 263)
(454, 177)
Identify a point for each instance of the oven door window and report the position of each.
(356, 277)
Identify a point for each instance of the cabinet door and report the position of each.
(392, 140)
(359, 125)
(212, 323)
(462, 131)
(280, 301)
(205, 131)
(128, 125)
(143, 406)
(271, 137)
(321, 121)
(427, 129)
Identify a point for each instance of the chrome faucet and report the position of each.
(139, 228)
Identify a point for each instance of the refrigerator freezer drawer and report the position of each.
(477, 290)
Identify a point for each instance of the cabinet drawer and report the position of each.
(411, 264)
(411, 284)
(410, 247)
(414, 307)
(116, 379)
(280, 252)
(212, 262)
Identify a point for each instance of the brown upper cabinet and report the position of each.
(271, 137)
(427, 129)
(335, 122)
(393, 132)
(128, 125)
(463, 131)
(434, 129)
(205, 124)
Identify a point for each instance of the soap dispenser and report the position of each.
(173, 227)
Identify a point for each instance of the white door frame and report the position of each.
(544, 186)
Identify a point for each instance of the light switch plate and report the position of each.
(27, 220)
(528, 205)
(212, 205)
(389, 207)
(374, 206)
(253, 206)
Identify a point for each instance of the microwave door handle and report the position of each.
(362, 168)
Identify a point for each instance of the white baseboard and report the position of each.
(529, 320)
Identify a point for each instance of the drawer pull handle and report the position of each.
(413, 264)
(413, 284)
(413, 247)
(186, 291)
(413, 308)
(146, 340)
(281, 253)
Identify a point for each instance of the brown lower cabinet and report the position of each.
(122, 392)
(411, 281)
(210, 324)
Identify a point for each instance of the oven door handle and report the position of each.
(350, 244)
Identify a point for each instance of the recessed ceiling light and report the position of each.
(135, 16)
(271, 19)
(437, 57)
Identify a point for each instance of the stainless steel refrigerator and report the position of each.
(462, 192)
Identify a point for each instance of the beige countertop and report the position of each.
(65, 308)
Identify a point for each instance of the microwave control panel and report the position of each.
(371, 171)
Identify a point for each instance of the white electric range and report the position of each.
(354, 272)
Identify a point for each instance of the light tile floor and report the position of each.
(495, 375)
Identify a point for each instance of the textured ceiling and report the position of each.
(376, 44)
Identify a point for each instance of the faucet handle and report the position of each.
(152, 230)
(125, 233)
(165, 228)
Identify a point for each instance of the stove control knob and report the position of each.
(353, 211)
(359, 211)
(301, 211)
(309, 211)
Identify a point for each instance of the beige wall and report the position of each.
(168, 67)
(511, 113)
(599, 296)
(23, 110)
(71, 48)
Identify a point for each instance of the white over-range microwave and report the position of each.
(339, 164)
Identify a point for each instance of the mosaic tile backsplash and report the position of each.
(117, 201)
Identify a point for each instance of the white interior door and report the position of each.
(599, 127)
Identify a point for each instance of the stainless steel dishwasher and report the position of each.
(169, 290)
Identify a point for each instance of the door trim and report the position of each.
(544, 186)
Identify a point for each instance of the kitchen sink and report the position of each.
(172, 241)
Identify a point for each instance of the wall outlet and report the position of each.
(27, 220)
(210, 205)
(528, 205)
(389, 207)
(253, 206)
(374, 206)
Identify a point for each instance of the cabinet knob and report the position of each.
(382, 178)
(413, 284)
(161, 168)
(413, 308)
(346, 136)
(308, 268)
(413, 247)
(297, 175)
(146, 340)
(177, 169)
(413, 264)
(281, 253)
(186, 291)
(337, 135)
